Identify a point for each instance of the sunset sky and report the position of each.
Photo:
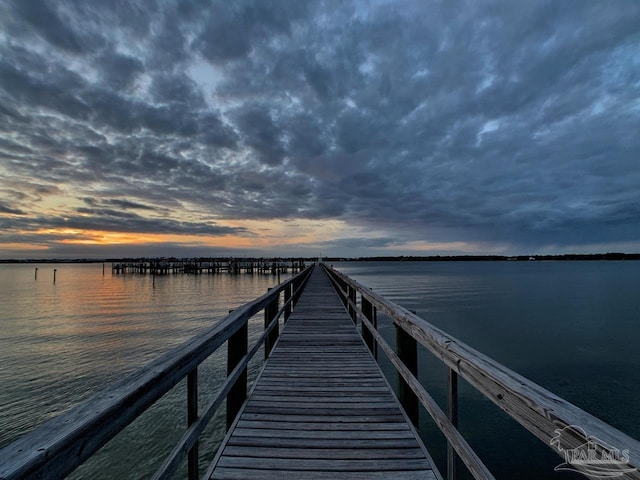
(347, 128)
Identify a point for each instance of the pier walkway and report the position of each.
(321, 407)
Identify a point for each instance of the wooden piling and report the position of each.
(369, 311)
(237, 346)
(287, 297)
(270, 312)
(407, 349)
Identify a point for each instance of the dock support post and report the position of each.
(236, 350)
(296, 296)
(287, 297)
(452, 414)
(270, 311)
(192, 416)
(345, 289)
(352, 309)
(407, 349)
(369, 311)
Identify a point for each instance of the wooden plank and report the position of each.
(225, 473)
(374, 404)
(328, 411)
(368, 426)
(370, 419)
(322, 434)
(321, 443)
(353, 398)
(324, 465)
(325, 453)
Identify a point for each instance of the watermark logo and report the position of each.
(594, 458)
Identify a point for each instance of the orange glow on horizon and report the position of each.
(23, 246)
(251, 235)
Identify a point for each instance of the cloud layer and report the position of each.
(486, 125)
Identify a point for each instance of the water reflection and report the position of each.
(62, 342)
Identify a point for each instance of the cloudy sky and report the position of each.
(289, 127)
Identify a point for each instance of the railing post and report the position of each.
(452, 414)
(296, 295)
(352, 309)
(270, 311)
(287, 296)
(369, 311)
(343, 287)
(407, 349)
(192, 416)
(236, 350)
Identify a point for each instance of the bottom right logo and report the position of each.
(594, 458)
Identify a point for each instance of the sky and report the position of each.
(305, 128)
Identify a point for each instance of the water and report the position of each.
(572, 327)
(61, 342)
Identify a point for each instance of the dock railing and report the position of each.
(586, 442)
(59, 446)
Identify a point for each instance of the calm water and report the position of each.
(572, 327)
(61, 342)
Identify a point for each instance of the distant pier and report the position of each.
(209, 266)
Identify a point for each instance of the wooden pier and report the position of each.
(320, 408)
(199, 266)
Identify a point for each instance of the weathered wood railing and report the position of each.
(541, 412)
(55, 449)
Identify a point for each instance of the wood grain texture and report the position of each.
(321, 408)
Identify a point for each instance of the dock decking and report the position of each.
(321, 407)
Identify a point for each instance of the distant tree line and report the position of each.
(492, 258)
(400, 258)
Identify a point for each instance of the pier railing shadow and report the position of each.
(59, 446)
(585, 443)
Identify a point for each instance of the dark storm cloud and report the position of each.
(119, 71)
(261, 133)
(47, 22)
(8, 209)
(122, 204)
(109, 220)
(232, 30)
(478, 121)
(357, 243)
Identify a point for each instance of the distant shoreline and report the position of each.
(401, 258)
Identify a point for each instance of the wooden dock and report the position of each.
(199, 266)
(321, 407)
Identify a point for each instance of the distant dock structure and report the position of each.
(198, 266)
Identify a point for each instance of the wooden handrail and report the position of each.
(541, 412)
(60, 445)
